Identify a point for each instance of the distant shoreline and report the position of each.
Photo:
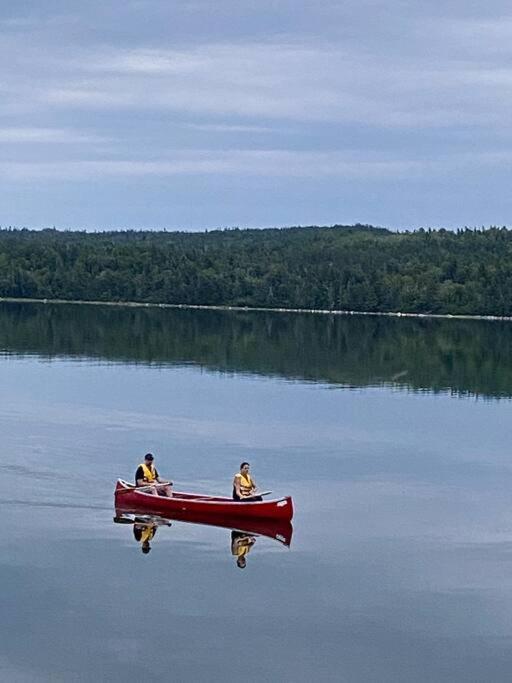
(260, 309)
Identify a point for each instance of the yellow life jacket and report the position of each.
(246, 485)
(149, 473)
(242, 546)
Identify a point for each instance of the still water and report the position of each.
(393, 436)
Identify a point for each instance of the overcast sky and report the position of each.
(216, 113)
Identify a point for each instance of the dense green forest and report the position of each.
(465, 357)
(357, 268)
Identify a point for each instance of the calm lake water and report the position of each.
(393, 436)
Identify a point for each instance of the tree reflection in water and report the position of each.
(460, 356)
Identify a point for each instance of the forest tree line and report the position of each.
(357, 268)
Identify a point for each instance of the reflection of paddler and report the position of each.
(144, 532)
(241, 544)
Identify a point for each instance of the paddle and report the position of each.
(141, 488)
(256, 495)
(144, 519)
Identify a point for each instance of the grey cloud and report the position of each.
(151, 76)
(46, 135)
(238, 162)
(294, 81)
(230, 128)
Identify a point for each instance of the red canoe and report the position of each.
(128, 497)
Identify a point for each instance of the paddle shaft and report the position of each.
(256, 495)
(143, 488)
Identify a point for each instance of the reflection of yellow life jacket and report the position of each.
(147, 534)
(242, 546)
(246, 485)
(149, 472)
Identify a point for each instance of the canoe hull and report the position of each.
(128, 498)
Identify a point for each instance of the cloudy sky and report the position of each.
(216, 113)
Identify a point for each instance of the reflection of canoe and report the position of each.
(278, 530)
(126, 496)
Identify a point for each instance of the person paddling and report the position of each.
(244, 486)
(148, 477)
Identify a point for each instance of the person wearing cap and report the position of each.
(147, 476)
